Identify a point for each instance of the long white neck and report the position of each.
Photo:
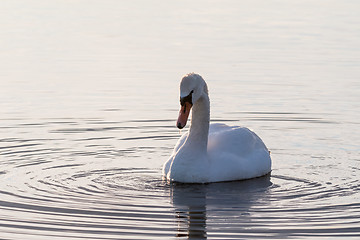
(199, 129)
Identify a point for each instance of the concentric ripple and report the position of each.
(82, 184)
(100, 204)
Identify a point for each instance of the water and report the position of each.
(89, 99)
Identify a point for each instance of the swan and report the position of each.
(212, 152)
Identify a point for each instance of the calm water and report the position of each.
(89, 99)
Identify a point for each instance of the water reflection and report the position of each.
(195, 203)
(189, 201)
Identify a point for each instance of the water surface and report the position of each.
(89, 99)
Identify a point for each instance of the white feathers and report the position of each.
(216, 152)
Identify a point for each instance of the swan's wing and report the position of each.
(240, 141)
(217, 127)
(238, 151)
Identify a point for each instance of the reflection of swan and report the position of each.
(199, 207)
(190, 207)
(212, 153)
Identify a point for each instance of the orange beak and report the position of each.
(183, 115)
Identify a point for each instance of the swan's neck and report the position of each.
(199, 129)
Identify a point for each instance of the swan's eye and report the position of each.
(188, 99)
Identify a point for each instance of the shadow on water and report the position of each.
(194, 203)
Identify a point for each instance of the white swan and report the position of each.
(212, 153)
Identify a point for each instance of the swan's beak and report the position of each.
(183, 115)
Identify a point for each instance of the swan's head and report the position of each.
(192, 88)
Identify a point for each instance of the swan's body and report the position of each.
(212, 152)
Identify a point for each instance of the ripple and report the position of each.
(111, 203)
(102, 204)
(82, 182)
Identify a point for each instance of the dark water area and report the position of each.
(89, 98)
